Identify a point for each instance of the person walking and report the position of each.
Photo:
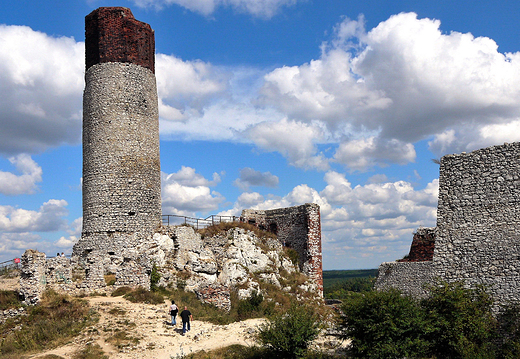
(186, 317)
(173, 312)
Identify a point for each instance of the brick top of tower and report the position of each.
(112, 34)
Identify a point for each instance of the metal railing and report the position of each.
(8, 265)
(198, 223)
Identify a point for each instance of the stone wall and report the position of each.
(298, 228)
(409, 277)
(478, 220)
(478, 224)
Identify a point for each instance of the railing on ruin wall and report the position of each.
(7, 265)
(197, 223)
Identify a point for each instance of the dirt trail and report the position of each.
(149, 334)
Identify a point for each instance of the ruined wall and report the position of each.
(112, 34)
(409, 277)
(478, 226)
(121, 164)
(423, 245)
(478, 220)
(298, 228)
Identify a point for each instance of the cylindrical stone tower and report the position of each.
(121, 165)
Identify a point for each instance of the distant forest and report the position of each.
(338, 283)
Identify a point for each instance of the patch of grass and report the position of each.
(52, 323)
(121, 340)
(9, 299)
(91, 351)
(237, 351)
(121, 291)
(141, 295)
(117, 311)
(110, 278)
(223, 227)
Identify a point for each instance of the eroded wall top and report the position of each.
(112, 34)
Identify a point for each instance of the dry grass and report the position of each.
(52, 323)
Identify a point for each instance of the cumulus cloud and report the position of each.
(258, 8)
(187, 193)
(41, 84)
(250, 177)
(295, 140)
(49, 217)
(378, 92)
(31, 174)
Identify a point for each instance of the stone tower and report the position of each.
(121, 165)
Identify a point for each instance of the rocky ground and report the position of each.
(137, 330)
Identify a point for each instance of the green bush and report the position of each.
(383, 324)
(454, 322)
(53, 322)
(461, 322)
(289, 335)
(9, 299)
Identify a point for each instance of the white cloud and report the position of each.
(378, 92)
(250, 177)
(41, 84)
(31, 173)
(294, 140)
(50, 217)
(259, 8)
(187, 193)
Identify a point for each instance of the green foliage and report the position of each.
(383, 325)
(9, 299)
(251, 307)
(292, 255)
(509, 320)
(53, 322)
(289, 335)
(454, 322)
(461, 322)
(331, 277)
(155, 276)
(237, 351)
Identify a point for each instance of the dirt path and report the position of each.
(146, 333)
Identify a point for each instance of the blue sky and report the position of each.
(267, 104)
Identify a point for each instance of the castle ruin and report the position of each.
(477, 237)
(122, 232)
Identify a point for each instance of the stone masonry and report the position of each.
(478, 226)
(298, 228)
(121, 164)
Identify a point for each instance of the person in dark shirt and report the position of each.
(186, 317)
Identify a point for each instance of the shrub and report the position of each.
(121, 291)
(155, 276)
(383, 324)
(289, 335)
(461, 322)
